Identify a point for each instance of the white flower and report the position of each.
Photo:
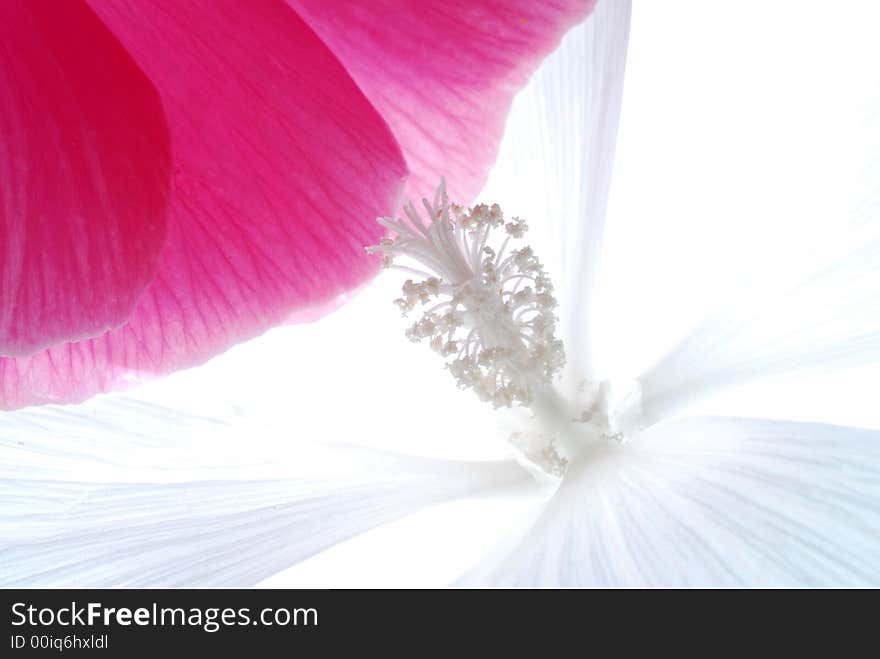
(245, 482)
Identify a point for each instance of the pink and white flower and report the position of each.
(278, 454)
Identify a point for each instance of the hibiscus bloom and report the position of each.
(179, 177)
(654, 495)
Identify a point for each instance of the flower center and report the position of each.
(487, 307)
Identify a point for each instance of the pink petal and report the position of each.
(85, 172)
(281, 167)
(443, 72)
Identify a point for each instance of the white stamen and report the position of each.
(489, 310)
(493, 312)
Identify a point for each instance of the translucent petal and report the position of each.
(828, 321)
(710, 501)
(554, 166)
(128, 494)
(281, 166)
(442, 72)
(739, 171)
(85, 177)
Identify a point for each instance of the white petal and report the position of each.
(749, 150)
(554, 165)
(829, 321)
(429, 549)
(710, 501)
(125, 494)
